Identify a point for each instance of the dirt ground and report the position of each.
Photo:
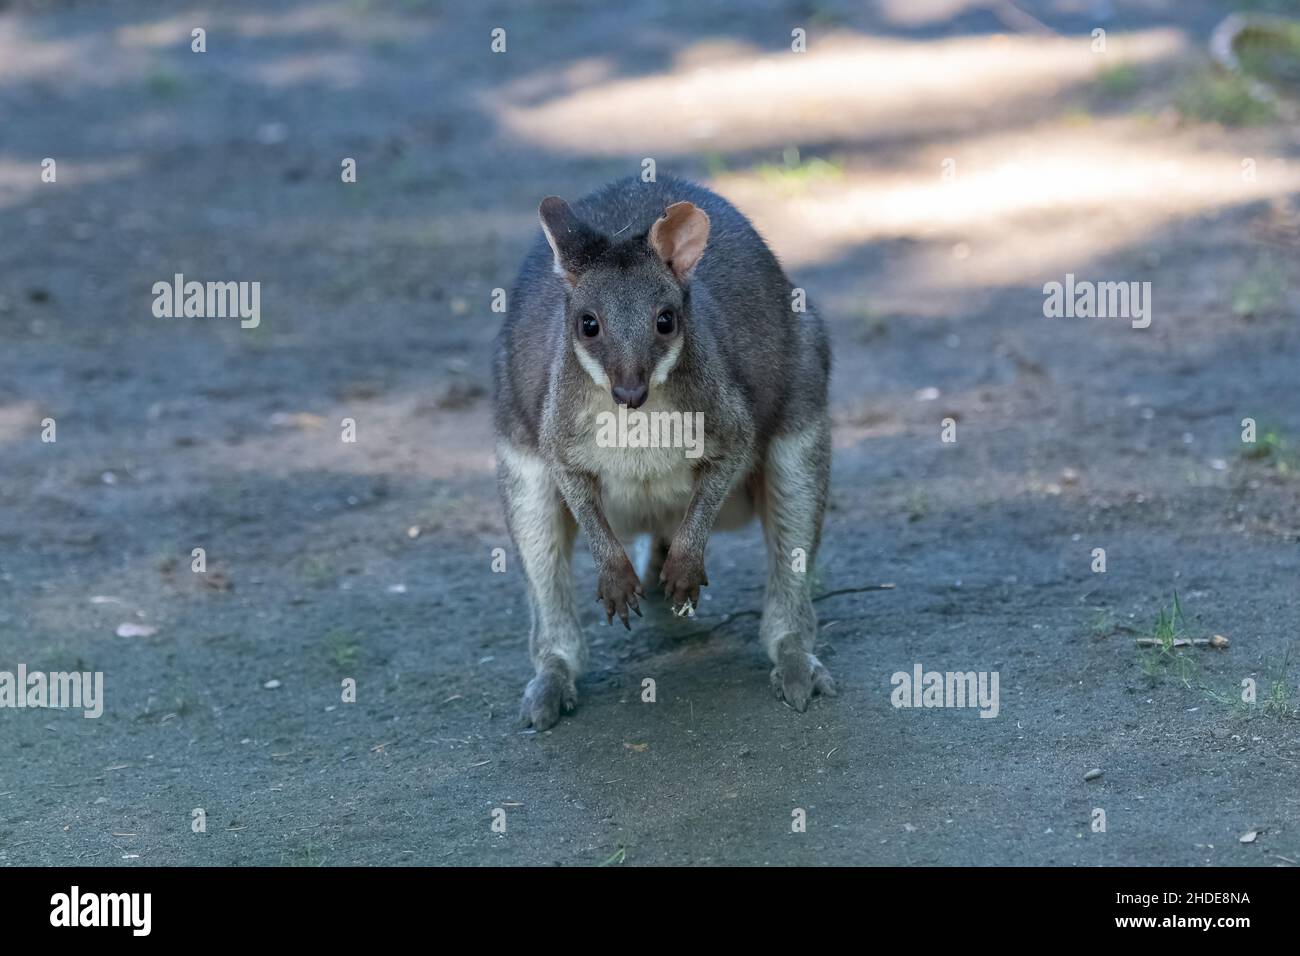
(923, 169)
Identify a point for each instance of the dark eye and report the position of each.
(590, 325)
(666, 322)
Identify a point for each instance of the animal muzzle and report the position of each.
(632, 394)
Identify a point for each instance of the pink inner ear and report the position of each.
(680, 236)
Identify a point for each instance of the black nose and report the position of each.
(633, 397)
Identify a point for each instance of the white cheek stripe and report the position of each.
(590, 365)
(666, 364)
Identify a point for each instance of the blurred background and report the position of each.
(923, 167)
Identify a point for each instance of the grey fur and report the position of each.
(756, 369)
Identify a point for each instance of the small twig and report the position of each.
(869, 587)
(1216, 641)
(751, 612)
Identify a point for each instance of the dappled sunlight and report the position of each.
(20, 179)
(403, 436)
(1011, 208)
(156, 34)
(348, 20)
(337, 70)
(28, 55)
(342, 21)
(19, 420)
(916, 13)
(846, 88)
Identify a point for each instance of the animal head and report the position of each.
(628, 307)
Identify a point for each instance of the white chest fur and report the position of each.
(646, 483)
(647, 479)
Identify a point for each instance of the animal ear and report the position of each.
(572, 241)
(678, 237)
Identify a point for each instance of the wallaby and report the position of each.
(661, 297)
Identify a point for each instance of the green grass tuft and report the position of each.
(1213, 96)
(1121, 80)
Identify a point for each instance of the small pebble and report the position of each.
(130, 629)
(1092, 774)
